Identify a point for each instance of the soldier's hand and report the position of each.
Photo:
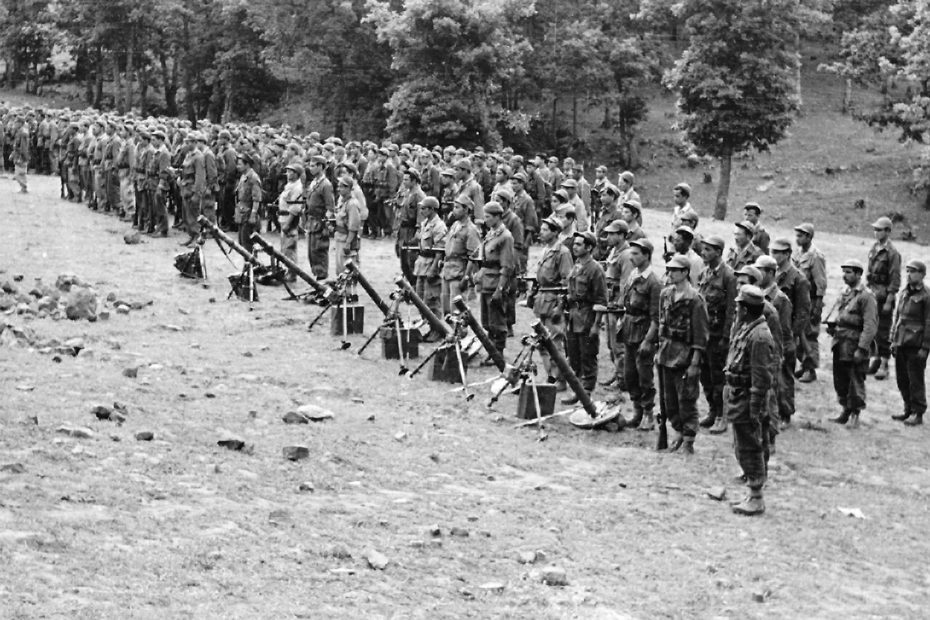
(253, 219)
(922, 355)
(530, 301)
(497, 296)
(693, 371)
(860, 355)
(647, 349)
(464, 284)
(894, 350)
(888, 306)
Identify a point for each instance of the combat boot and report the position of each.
(752, 505)
(808, 376)
(882, 373)
(648, 423)
(636, 419)
(676, 444)
(917, 420)
(687, 446)
(874, 363)
(709, 420)
(902, 416)
(719, 427)
(843, 418)
(853, 420)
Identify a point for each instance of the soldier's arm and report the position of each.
(802, 306)
(565, 266)
(819, 276)
(894, 280)
(655, 300)
(329, 200)
(730, 309)
(699, 330)
(926, 310)
(531, 224)
(599, 288)
(761, 361)
(869, 322)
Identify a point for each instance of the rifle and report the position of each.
(662, 440)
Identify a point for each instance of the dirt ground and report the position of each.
(179, 527)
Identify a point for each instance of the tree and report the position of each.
(453, 59)
(28, 34)
(736, 80)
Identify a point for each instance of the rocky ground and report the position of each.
(117, 501)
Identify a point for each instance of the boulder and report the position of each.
(81, 305)
(133, 237)
(296, 453)
(66, 281)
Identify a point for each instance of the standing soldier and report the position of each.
(749, 378)
(745, 252)
(785, 347)
(910, 343)
(159, 184)
(631, 211)
(469, 186)
(226, 179)
(884, 280)
(448, 191)
(20, 153)
(125, 159)
(193, 185)
(617, 270)
(682, 342)
(462, 242)
(587, 288)
(798, 290)
(211, 175)
(681, 194)
(852, 322)
(111, 171)
(248, 200)
(751, 213)
(524, 209)
(717, 285)
(608, 212)
(144, 153)
(640, 332)
(431, 237)
(386, 181)
(290, 206)
(545, 299)
(348, 230)
(496, 259)
(407, 206)
(812, 264)
(320, 206)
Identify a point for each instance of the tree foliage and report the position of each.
(736, 79)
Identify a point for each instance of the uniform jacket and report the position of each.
(462, 241)
(471, 188)
(813, 265)
(749, 370)
(855, 321)
(682, 326)
(320, 201)
(798, 290)
(617, 270)
(641, 301)
(587, 288)
(498, 260)
(911, 326)
(525, 209)
(431, 234)
(553, 270)
(717, 286)
(738, 258)
(884, 272)
(782, 306)
(248, 195)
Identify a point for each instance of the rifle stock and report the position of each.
(662, 440)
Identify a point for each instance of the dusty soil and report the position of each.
(179, 527)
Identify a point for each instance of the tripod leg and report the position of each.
(317, 318)
(368, 341)
(401, 351)
(424, 362)
(458, 354)
(345, 344)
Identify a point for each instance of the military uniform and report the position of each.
(193, 186)
(430, 236)
(407, 205)
(617, 270)
(21, 154)
(248, 202)
(749, 378)
(813, 267)
(552, 272)
(797, 289)
(462, 241)
(144, 154)
(348, 218)
(112, 172)
(587, 288)
(158, 184)
(515, 226)
(497, 260)
(226, 179)
(683, 325)
(740, 257)
(320, 205)
(884, 280)
(910, 338)
(471, 188)
(641, 304)
(853, 323)
(211, 176)
(717, 286)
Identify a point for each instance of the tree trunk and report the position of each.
(847, 96)
(797, 73)
(723, 190)
(98, 88)
(118, 86)
(169, 85)
(555, 111)
(130, 76)
(228, 103)
(574, 116)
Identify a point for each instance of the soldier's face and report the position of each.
(408, 181)
(240, 166)
(445, 180)
(679, 197)
(681, 242)
(802, 239)
(291, 176)
(579, 248)
(740, 236)
(492, 219)
(500, 177)
(613, 239)
(676, 276)
(624, 185)
(709, 253)
(851, 276)
(781, 257)
(458, 211)
(546, 234)
(628, 214)
(742, 280)
(344, 189)
(750, 215)
(881, 234)
(914, 276)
